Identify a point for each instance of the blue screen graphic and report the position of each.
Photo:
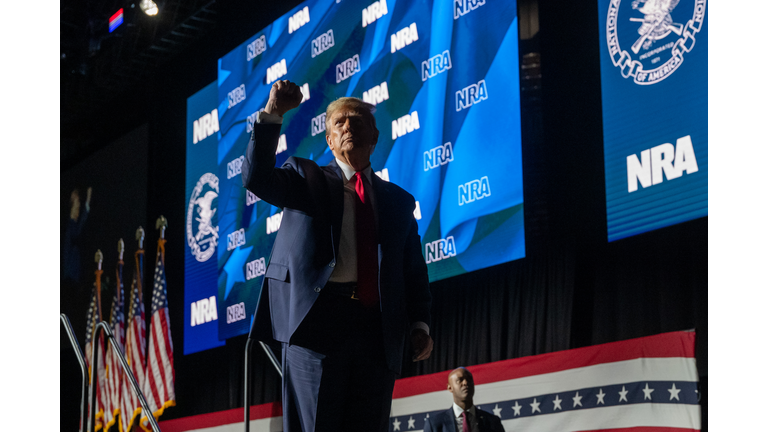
(200, 270)
(654, 90)
(444, 77)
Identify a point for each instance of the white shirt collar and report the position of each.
(457, 410)
(349, 172)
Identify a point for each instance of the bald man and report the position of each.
(463, 416)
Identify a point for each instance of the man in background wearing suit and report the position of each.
(463, 416)
(346, 284)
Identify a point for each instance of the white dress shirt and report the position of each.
(472, 417)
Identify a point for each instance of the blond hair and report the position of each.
(354, 103)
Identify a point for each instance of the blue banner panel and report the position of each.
(653, 57)
(202, 190)
(444, 77)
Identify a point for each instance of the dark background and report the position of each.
(573, 289)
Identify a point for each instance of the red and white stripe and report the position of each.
(159, 386)
(135, 355)
(664, 357)
(114, 382)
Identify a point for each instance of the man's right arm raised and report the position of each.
(281, 186)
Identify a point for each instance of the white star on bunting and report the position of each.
(535, 406)
(647, 390)
(601, 397)
(557, 403)
(497, 411)
(577, 400)
(516, 407)
(673, 392)
(396, 424)
(411, 423)
(623, 394)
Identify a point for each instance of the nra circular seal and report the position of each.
(202, 235)
(647, 39)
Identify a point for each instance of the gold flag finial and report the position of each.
(140, 237)
(161, 224)
(98, 258)
(120, 248)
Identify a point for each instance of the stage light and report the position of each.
(149, 7)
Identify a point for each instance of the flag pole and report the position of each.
(139, 260)
(119, 269)
(98, 258)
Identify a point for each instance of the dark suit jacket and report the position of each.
(444, 422)
(304, 253)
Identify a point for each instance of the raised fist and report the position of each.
(283, 97)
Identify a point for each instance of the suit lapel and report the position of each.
(381, 190)
(333, 177)
(449, 422)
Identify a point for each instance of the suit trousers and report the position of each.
(335, 375)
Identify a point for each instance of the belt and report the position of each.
(342, 289)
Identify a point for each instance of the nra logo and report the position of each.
(273, 222)
(298, 20)
(282, 145)
(318, 124)
(383, 174)
(438, 156)
(255, 268)
(470, 95)
(474, 190)
(235, 313)
(440, 249)
(250, 198)
(662, 160)
(377, 94)
(403, 37)
(235, 167)
(435, 65)
(463, 7)
(347, 68)
(405, 125)
(235, 239)
(305, 92)
(203, 311)
(255, 48)
(251, 120)
(374, 12)
(205, 126)
(276, 71)
(236, 96)
(322, 43)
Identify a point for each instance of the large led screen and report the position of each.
(202, 232)
(444, 78)
(653, 58)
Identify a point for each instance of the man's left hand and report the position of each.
(422, 345)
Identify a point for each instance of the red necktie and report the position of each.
(465, 422)
(367, 244)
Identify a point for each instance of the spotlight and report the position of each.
(148, 7)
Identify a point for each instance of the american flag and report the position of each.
(114, 369)
(158, 387)
(102, 396)
(135, 350)
(647, 384)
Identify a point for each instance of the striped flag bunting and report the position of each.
(159, 383)
(647, 384)
(640, 385)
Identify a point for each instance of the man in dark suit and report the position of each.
(463, 416)
(346, 284)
